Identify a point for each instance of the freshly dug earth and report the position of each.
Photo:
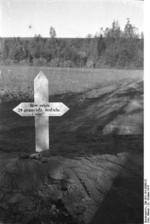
(94, 170)
(63, 190)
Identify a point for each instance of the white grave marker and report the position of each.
(41, 109)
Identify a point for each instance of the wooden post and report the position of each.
(41, 95)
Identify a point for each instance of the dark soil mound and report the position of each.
(62, 190)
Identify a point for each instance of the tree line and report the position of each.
(113, 47)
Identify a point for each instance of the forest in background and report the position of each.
(112, 47)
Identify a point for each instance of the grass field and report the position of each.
(63, 80)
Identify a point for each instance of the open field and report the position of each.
(63, 80)
(94, 172)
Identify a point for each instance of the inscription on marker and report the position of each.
(41, 109)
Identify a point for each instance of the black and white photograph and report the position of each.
(71, 112)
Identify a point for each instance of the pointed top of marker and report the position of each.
(40, 76)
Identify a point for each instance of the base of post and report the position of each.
(36, 155)
(41, 156)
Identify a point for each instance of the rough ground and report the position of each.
(94, 172)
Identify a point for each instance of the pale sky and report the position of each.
(70, 18)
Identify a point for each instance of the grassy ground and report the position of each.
(63, 79)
